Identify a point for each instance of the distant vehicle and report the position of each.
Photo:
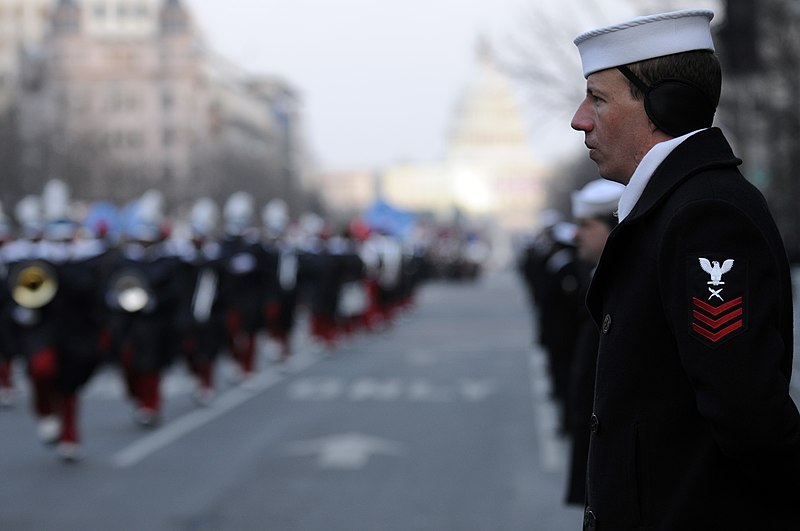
(457, 255)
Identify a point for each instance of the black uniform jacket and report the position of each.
(693, 426)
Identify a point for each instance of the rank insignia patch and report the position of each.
(717, 298)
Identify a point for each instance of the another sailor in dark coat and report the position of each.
(693, 426)
(593, 208)
(559, 301)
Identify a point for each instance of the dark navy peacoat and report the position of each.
(693, 427)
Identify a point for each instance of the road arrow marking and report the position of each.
(346, 451)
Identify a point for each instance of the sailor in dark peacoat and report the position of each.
(693, 427)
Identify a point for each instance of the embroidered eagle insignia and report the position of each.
(715, 270)
(710, 323)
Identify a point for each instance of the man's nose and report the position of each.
(580, 120)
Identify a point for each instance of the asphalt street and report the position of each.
(440, 423)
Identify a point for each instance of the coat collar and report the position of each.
(703, 150)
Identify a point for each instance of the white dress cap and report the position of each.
(596, 199)
(645, 38)
(564, 232)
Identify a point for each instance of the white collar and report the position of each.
(641, 176)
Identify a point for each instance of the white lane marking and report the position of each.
(177, 428)
(389, 389)
(225, 402)
(320, 388)
(381, 389)
(421, 390)
(230, 399)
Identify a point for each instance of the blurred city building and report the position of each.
(23, 26)
(116, 97)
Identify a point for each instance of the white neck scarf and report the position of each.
(641, 176)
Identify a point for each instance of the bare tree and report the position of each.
(540, 54)
(781, 59)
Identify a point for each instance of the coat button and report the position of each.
(589, 520)
(606, 324)
(594, 424)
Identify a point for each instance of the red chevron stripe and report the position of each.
(716, 310)
(716, 323)
(714, 337)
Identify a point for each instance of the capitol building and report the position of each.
(488, 174)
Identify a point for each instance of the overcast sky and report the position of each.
(379, 78)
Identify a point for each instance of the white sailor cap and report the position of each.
(644, 38)
(597, 198)
(564, 232)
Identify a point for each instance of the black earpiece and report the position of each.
(675, 106)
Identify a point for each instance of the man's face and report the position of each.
(591, 238)
(617, 130)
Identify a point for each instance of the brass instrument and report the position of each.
(130, 291)
(33, 285)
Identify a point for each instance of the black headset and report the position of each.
(675, 106)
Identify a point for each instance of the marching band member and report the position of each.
(54, 291)
(142, 296)
(6, 358)
(321, 279)
(354, 296)
(390, 254)
(79, 316)
(24, 327)
(243, 280)
(370, 257)
(282, 286)
(200, 319)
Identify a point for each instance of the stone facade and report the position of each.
(122, 96)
